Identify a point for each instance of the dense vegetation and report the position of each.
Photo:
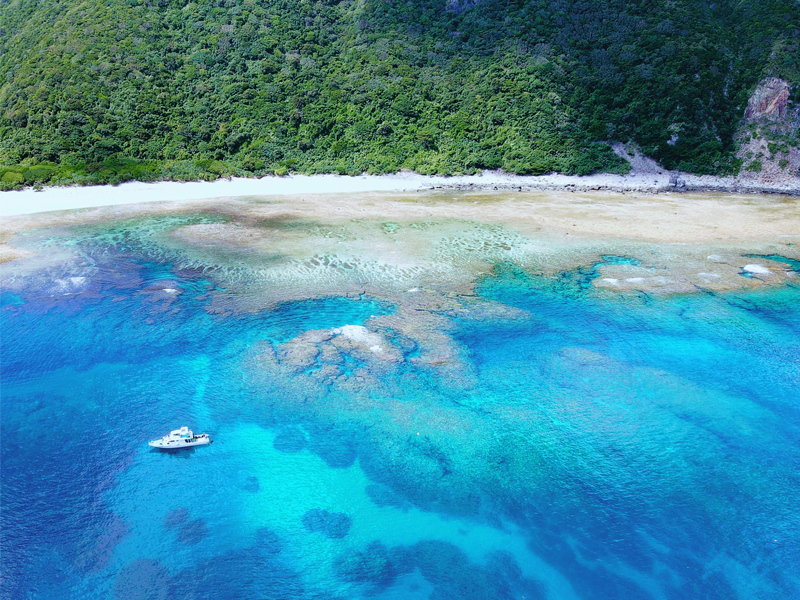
(110, 90)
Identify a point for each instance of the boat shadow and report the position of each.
(175, 453)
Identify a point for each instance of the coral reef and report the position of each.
(143, 579)
(290, 440)
(330, 524)
(190, 531)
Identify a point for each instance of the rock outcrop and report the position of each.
(769, 101)
(769, 141)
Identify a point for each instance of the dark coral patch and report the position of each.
(336, 445)
(192, 532)
(382, 495)
(452, 574)
(176, 517)
(95, 550)
(143, 579)
(290, 440)
(371, 566)
(258, 571)
(443, 565)
(267, 541)
(330, 524)
(250, 484)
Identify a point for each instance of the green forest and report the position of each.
(105, 91)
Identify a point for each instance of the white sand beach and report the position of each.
(29, 200)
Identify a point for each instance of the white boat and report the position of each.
(181, 438)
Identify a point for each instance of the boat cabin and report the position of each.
(183, 432)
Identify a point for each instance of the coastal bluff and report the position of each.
(769, 135)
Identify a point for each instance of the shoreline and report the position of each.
(31, 201)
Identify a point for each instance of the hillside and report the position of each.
(105, 91)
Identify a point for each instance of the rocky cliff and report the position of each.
(770, 134)
(769, 102)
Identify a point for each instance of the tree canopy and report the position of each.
(111, 90)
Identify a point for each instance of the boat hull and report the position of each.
(179, 444)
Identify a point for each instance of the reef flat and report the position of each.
(416, 395)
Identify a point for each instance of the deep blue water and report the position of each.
(601, 447)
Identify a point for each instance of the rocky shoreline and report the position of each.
(646, 177)
(682, 183)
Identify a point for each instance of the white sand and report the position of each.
(758, 269)
(30, 201)
(362, 336)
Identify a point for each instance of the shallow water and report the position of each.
(583, 445)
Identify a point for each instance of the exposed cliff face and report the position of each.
(770, 135)
(770, 101)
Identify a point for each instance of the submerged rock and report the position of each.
(315, 336)
(330, 355)
(337, 445)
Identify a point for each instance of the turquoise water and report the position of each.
(592, 447)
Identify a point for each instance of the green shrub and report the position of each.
(754, 166)
(12, 178)
(40, 173)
